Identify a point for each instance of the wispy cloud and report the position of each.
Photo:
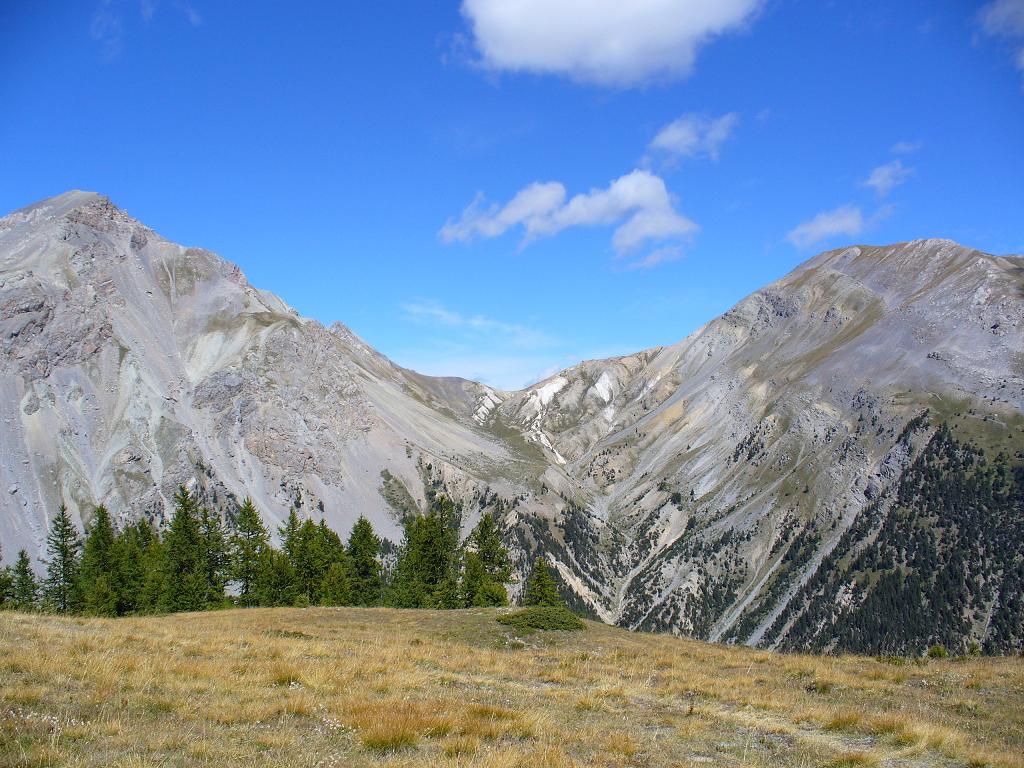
(193, 16)
(693, 135)
(638, 205)
(846, 220)
(503, 371)
(513, 334)
(1005, 19)
(608, 42)
(107, 26)
(905, 147)
(506, 355)
(657, 256)
(887, 177)
(106, 29)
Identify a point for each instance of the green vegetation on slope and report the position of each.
(191, 565)
(940, 562)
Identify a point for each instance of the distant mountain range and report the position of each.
(816, 468)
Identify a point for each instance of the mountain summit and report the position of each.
(728, 486)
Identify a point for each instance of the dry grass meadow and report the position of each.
(369, 687)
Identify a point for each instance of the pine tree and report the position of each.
(249, 543)
(275, 585)
(6, 583)
(63, 547)
(153, 568)
(215, 556)
(306, 554)
(363, 551)
(540, 587)
(133, 546)
(99, 577)
(487, 567)
(426, 574)
(289, 533)
(184, 585)
(334, 558)
(336, 588)
(25, 588)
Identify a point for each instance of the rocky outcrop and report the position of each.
(692, 488)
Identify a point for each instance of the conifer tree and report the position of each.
(336, 588)
(63, 547)
(332, 541)
(289, 533)
(276, 583)
(184, 585)
(307, 555)
(25, 588)
(215, 556)
(487, 567)
(540, 587)
(426, 574)
(99, 577)
(153, 569)
(249, 544)
(363, 551)
(134, 564)
(334, 558)
(6, 582)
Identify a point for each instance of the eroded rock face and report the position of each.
(690, 488)
(132, 365)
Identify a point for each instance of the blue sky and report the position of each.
(498, 190)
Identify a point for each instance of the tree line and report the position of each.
(197, 564)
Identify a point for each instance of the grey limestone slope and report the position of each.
(690, 488)
(778, 420)
(132, 365)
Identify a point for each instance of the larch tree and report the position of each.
(25, 588)
(540, 586)
(364, 564)
(100, 575)
(63, 548)
(248, 546)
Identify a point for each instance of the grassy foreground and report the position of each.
(355, 687)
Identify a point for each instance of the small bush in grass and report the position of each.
(937, 652)
(543, 617)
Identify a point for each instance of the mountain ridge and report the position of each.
(662, 484)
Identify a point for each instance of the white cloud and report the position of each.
(609, 42)
(885, 178)
(905, 147)
(502, 354)
(106, 29)
(845, 220)
(639, 203)
(478, 326)
(508, 372)
(1005, 18)
(657, 256)
(107, 24)
(694, 135)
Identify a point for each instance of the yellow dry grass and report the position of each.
(367, 687)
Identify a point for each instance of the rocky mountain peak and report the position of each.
(694, 488)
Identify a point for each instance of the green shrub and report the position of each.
(543, 617)
(937, 652)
